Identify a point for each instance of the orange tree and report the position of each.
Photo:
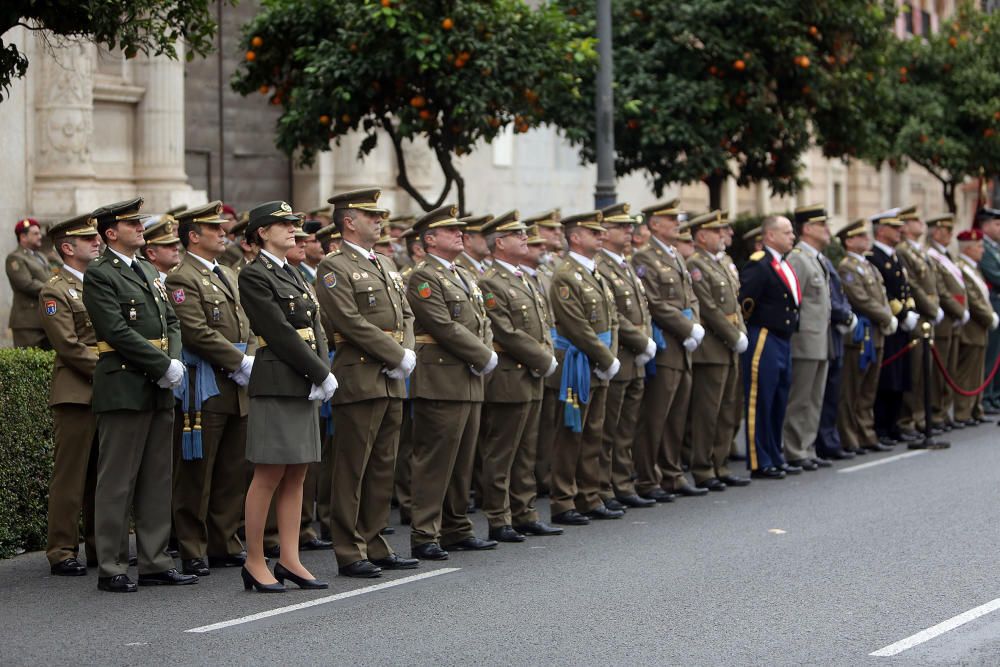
(709, 89)
(452, 73)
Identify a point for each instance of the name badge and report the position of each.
(371, 300)
(132, 314)
(216, 314)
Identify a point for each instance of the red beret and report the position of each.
(971, 235)
(23, 225)
(229, 210)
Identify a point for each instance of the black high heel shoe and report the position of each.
(249, 582)
(281, 573)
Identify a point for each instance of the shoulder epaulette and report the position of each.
(868, 253)
(757, 256)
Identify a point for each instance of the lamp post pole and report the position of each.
(604, 193)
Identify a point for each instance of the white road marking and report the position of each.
(939, 629)
(889, 459)
(776, 531)
(323, 600)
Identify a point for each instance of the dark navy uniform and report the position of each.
(828, 437)
(770, 307)
(894, 379)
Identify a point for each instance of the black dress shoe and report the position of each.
(957, 425)
(906, 436)
(690, 491)
(991, 410)
(635, 501)
(860, 451)
(396, 562)
(570, 518)
(768, 473)
(429, 551)
(315, 544)
(658, 495)
(232, 560)
(359, 569)
(839, 455)
(195, 566)
(886, 441)
(735, 480)
(538, 528)
(506, 534)
(472, 543)
(250, 582)
(613, 505)
(602, 513)
(790, 469)
(971, 422)
(712, 484)
(120, 583)
(388, 530)
(169, 577)
(805, 464)
(878, 447)
(821, 462)
(70, 567)
(281, 573)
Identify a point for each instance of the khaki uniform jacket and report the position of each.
(279, 304)
(67, 326)
(367, 313)
(812, 340)
(922, 276)
(952, 297)
(233, 255)
(976, 330)
(466, 263)
(212, 319)
(866, 293)
(719, 307)
(584, 306)
(452, 333)
(521, 338)
(669, 291)
(634, 321)
(27, 276)
(542, 282)
(127, 313)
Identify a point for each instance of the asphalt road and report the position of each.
(823, 568)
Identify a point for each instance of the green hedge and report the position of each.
(25, 448)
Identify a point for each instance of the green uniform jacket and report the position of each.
(584, 306)
(866, 293)
(520, 336)
(27, 275)
(127, 312)
(719, 307)
(951, 295)
(669, 291)
(452, 333)
(634, 322)
(233, 255)
(278, 305)
(67, 326)
(212, 319)
(989, 266)
(367, 313)
(543, 283)
(976, 330)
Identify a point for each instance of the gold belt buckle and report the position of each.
(164, 344)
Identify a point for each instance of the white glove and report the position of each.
(697, 332)
(939, 316)
(965, 316)
(910, 323)
(690, 344)
(742, 344)
(324, 392)
(405, 367)
(853, 324)
(890, 328)
(647, 354)
(995, 323)
(488, 368)
(611, 372)
(173, 377)
(553, 365)
(241, 376)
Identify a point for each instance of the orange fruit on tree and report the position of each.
(803, 62)
(996, 115)
(387, 3)
(952, 42)
(345, 119)
(633, 124)
(903, 71)
(447, 24)
(988, 132)
(324, 120)
(739, 65)
(264, 89)
(257, 42)
(418, 102)
(425, 114)
(813, 30)
(251, 56)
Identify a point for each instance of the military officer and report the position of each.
(314, 253)
(954, 301)
(753, 239)
(770, 294)
(810, 344)
(209, 480)
(74, 464)
(864, 345)
(475, 255)
(674, 310)
(523, 343)
(364, 297)
(329, 238)
(635, 349)
(551, 230)
(989, 221)
(27, 271)
(715, 361)
(163, 247)
(398, 226)
(414, 251)
(139, 345)
(587, 349)
(454, 354)
(972, 340)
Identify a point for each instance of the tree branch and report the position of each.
(403, 179)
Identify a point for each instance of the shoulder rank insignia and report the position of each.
(757, 256)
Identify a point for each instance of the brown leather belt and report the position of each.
(159, 343)
(395, 335)
(306, 334)
(425, 338)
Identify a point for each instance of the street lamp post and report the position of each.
(604, 193)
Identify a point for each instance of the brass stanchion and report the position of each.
(928, 442)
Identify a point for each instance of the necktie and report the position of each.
(378, 265)
(217, 270)
(138, 271)
(292, 272)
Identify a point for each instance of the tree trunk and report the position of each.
(949, 195)
(403, 178)
(715, 183)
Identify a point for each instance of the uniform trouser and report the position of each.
(365, 437)
(74, 477)
(209, 492)
(828, 436)
(549, 423)
(733, 410)
(444, 446)
(767, 376)
(401, 478)
(506, 450)
(805, 404)
(316, 493)
(856, 419)
(30, 338)
(620, 414)
(133, 472)
(888, 406)
(943, 397)
(971, 362)
(992, 392)
(658, 440)
(576, 459)
(912, 413)
(711, 433)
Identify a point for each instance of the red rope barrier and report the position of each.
(955, 387)
(899, 355)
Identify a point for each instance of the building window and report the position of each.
(838, 197)
(908, 17)
(925, 23)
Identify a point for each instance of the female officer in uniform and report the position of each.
(290, 376)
